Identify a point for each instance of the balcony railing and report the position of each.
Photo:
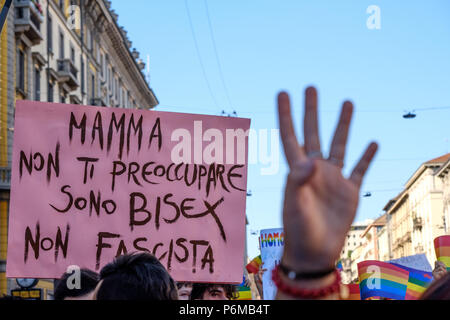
(67, 72)
(406, 237)
(98, 102)
(5, 178)
(28, 20)
(417, 223)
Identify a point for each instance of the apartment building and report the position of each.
(443, 174)
(416, 216)
(352, 248)
(64, 51)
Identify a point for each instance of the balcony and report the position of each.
(98, 102)
(28, 19)
(397, 243)
(417, 223)
(5, 178)
(67, 73)
(406, 237)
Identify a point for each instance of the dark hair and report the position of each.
(198, 289)
(10, 298)
(88, 281)
(138, 276)
(438, 290)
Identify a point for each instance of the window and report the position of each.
(116, 88)
(37, 84)
(102, 62)
(21, 70)
(72, 54)
(49, 34)
(61, 45)
(110, 79)
(61, 5)
(62, 98)
(19, 13)
(92, 86)
(89, 40)
(82, 74)
(50, 92)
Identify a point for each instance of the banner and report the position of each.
(382, 279)
(418, 282)
(417, 261)
(91, 183)
(271, 243)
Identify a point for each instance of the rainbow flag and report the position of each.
(418, 282)
(339, 265)
(382, 279)
(254, 265)
(442, 249)
(244, 292)
(353, 291)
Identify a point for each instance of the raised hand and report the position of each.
(440, 270)
(319, 202)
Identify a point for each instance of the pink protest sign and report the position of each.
(92, 183)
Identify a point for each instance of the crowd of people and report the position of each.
(138, 276)
(319, 206)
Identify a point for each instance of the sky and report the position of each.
(241, 54)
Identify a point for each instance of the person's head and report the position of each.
(66, 288)
(438, 290)
(184, 290)
(213, 291)
(138, 276)
(10, 298)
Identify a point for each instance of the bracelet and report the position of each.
(306, 293)
(304, 275)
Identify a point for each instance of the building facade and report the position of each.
(399, 226)
(372, 241)
(352, 250)
(443, 174)
(384, 250)
(416, 216)
(64, 51)
(368, 248)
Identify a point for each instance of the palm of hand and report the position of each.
(320, 203)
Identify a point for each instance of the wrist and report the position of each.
(327, 287)
(307, 265)
(306, 279)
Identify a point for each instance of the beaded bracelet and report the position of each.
(306, 293)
